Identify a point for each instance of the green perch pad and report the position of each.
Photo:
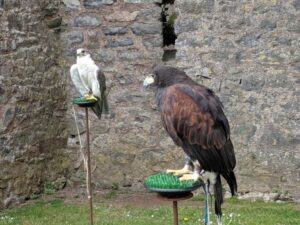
(82, 101)
(169, 181)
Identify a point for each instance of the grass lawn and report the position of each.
(58, 212)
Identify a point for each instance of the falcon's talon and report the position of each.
(90, 97)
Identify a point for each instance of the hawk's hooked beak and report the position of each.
(148, 81)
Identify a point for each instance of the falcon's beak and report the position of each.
(148, 81)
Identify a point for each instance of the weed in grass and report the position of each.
(198, 197)
(115, 186)
(49, 188)
(34, 196)
(110, 194)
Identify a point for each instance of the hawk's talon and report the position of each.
(184, 170)
(193, 176)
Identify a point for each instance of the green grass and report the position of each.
(110, 194)
(236, 212)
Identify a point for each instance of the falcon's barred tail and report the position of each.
(105, 105)
(101, 107)
(102, 104)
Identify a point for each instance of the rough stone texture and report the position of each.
(97, 3)
(145, 28)
(121, 16)
(87, 19)
(126, 45)
(119, 42)
(73, 4)
(33, 135)
(114, 30)
(248, 53)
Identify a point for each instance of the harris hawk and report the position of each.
(193, 116)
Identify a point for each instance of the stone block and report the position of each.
(185, 39)
(129, 54)
(236, 23)
(124, 79)
(8, 116)
(245, 132)
(105, 55)
(119, 42)
(114, 30)
(149, 15)
(74, 37)
(186, 25)
(249, 40)
(284, 40)
(122, 16)
(293, 24)
(145, 28)
(97, 3)
(194, 6)
(268, 24)
(253, 83)
(73, 4)
(154, 41)
(141, 1)
(55, 22)
(296, 4)
(87, 20)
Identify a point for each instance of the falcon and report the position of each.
(90, 81)
(193, 116)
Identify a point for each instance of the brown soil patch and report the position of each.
(138, 199)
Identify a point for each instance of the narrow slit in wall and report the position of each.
(168, 17)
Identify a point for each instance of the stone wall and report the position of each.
(248, 53)
(32, 100)
(124, 38)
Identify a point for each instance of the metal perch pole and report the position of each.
(175, 213)
(89, 175)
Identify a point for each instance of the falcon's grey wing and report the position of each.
(101, 105)
(96, 86)
(102, 82)
(80, 86)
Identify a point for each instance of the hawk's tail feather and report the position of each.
(218, 195)
(231, 180)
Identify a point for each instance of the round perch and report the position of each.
(86, 103)
(83, 102)
(170, 188)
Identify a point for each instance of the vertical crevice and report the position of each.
(168, 17)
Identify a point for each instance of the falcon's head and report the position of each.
(82, 52)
